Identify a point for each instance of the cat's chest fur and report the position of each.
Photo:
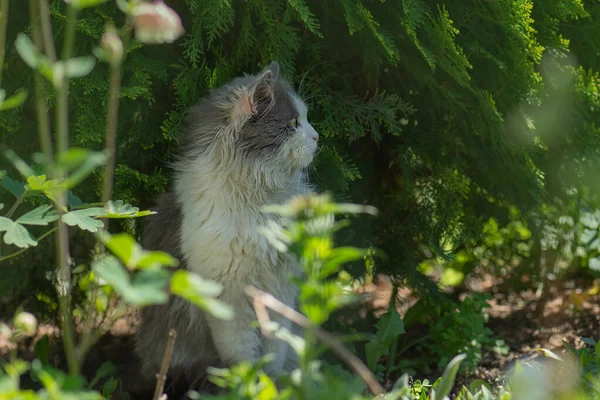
(221, 237)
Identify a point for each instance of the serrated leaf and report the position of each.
(16, 234)
(84, 219)
(120, 209)
(40, 216)
(40, 183)
(79, 67)
(16, 188)
(14, 101)
(201, 292)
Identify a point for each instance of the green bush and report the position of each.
(433, 112)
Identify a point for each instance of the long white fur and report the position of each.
(221, 196)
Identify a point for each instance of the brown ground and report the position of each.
(525, 322)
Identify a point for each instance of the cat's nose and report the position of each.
(315, 137)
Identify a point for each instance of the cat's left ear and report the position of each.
(258, 95)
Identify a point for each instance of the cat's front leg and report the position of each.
(235, 340)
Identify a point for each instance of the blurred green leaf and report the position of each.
(389, 328)
(445, 386)
(78, 67)
(131, 253)
(12, 102)
(24, 169)
(41, 348)
(106, 369)
(148, 286)
(201, 292)
(81, 4)
(27, 50)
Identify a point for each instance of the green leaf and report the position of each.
(27, 50)
(81, 4)
(84, 219)
(16, 188)
(120, 209)
(73, 200)
(201, 292)
(16, 234)
(84, 161)
(129, 251)
(339, 256)
(41, 349)
(109, 387)
(21, 166)
(14, 101)
(448, 377)
(40, 216)
(389, 328)
(147, 288)
(78, 67)
(106, 369)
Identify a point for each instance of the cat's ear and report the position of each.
(258, 95)
(274, 68)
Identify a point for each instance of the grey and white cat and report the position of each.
(246, 145)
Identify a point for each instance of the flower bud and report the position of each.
(111, 45)
(156, 23)
(25, 324)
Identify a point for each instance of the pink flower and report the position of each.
(156, 23)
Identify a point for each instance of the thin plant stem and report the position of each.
(3, 26)
(16, 253)
(41, 106)
(263, 300)
(62, 107)
(47, 30)
(62, 134)
(111, 132)
(112, 118)
(161, 378)
(15, 205)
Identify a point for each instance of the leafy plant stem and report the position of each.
(3, 25)
(41, 107)
(16, 253)
(263, 299)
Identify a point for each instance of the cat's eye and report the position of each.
(294, 122)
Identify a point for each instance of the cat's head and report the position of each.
(259, 118)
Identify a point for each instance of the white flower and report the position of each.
(156, 23)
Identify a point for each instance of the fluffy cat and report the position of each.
(246, 144)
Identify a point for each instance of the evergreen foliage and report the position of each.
(434, 112)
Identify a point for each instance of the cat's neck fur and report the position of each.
(222, 178)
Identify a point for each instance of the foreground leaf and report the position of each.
(445, 386)
(148, 286)
(201, 292)
(84, 219)
(120, 209)
(16, 234)
(40, 216)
